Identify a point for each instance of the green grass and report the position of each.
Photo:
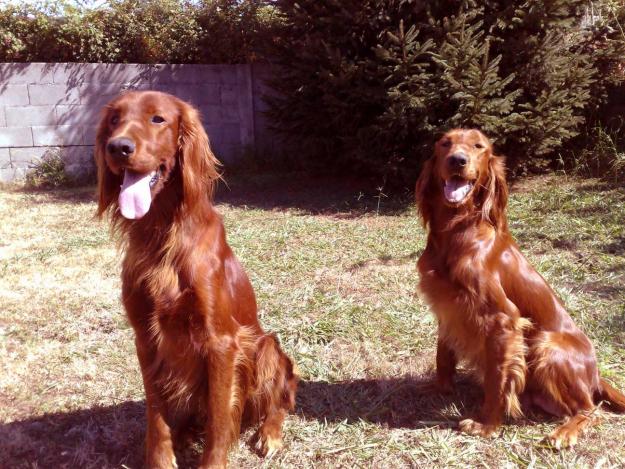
(335, 277)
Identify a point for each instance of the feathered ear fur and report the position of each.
(496, 192)
(198, 164)
(108, 183)
(422, 191)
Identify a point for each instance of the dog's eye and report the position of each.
(157, 119)
(479, 145)
(446, 143)
(115, 120)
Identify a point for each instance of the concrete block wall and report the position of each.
(55, 107)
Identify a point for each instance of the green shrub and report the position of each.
(367, 85)
(48, 172)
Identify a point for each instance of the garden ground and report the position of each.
(334, 271)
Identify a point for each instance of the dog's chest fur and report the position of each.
(456, 308)
(173, 329)
(182, 372)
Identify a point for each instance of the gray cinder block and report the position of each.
(13, 95)
(28, 154)
(53, 94)
(5, 158)
(22, 116)
(16, 137)
(26, 73)
(57, 135)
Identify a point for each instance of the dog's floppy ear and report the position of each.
(108, 183)
(496, 192)
(198, 164)
(423, 190)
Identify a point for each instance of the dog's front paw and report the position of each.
(268, 445)
(563, 437)
(159, 452)
(473, 427)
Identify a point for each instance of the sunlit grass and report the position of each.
(335, 278)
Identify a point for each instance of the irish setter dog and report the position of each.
(494, 310)
(204, 357)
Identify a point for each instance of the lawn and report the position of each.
(334, 272)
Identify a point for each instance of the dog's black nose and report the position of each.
(121, 147)
(457, 160)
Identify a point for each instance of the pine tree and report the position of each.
(367, 85)
(480, 97)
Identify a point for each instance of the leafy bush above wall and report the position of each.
(135, 31)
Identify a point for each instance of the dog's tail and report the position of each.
(611, 395)
(276, 376)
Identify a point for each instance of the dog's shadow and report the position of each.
(112, 436)
(406, 402)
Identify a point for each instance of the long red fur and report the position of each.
(494, 310)
(203, 355)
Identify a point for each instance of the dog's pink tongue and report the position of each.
(135, 197)
(456, 189)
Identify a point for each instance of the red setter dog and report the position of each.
(204, 357)
(493, 309)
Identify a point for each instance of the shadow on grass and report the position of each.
(598, 186)
(77, 195)
(97, 437)
(276, 191)
(113, 436)
(614, 327)
(606, 291)
(615, 247)
(408, 402)
(311, 195)
(386, 260)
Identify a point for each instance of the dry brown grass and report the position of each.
(335, 277)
